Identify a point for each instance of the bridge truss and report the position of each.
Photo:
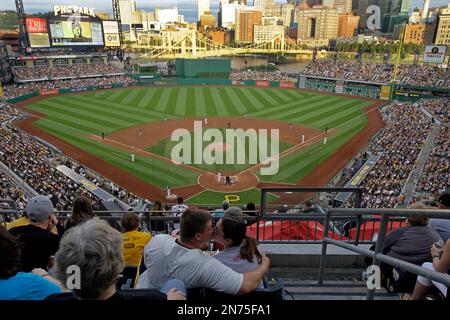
(193, 44)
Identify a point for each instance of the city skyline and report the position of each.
(187, 8)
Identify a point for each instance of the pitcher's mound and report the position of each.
(239, 182)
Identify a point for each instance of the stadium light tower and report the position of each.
(23, 39)
(116, 15)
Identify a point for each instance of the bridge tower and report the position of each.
(116, 16)
(23, 38)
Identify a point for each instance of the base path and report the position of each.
(154, 132)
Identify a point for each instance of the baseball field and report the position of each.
(140, 121)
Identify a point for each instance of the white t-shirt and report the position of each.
(231, 257)
(165, 259)
(177, 210)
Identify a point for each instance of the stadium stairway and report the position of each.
(339, 284)
(298, 266)
(414, 177)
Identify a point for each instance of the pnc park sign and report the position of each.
(60, 10)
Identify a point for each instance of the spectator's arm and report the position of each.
(43, 273)
(251, 280)
(443, 263)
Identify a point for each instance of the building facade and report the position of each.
(316, 26)
(348, 25)
(207, 20)
(165, 16)
(443, 27)
(343, 6)
(202, 7)
(419, 33)
(283, 11)
(262, 5)
(227, 13)
(266, 33)
(245, 23)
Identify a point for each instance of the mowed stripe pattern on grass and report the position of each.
(74, 117)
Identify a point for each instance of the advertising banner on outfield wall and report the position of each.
(385, 93)
(434, 54)
(262, 83)
(237, 83)
(287, 84)
(48, 92)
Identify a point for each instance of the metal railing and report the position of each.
(286, 228)
(377, 255)
(326, 218)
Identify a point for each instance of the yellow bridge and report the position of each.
(193, 44)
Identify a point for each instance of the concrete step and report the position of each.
(337, 290)
(339, 284)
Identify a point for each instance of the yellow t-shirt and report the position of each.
(133, 246)
(24, 221)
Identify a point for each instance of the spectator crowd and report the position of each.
(399, 144)
(64, 71)
(262, 75)
(35, 163)
(17, 90)
(379, 72)
(436, 173)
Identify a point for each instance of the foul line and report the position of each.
(286, 152)
(307, 142)
(148, 153)
(98, 138)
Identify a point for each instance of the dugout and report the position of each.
(203, 68)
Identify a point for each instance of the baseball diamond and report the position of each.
(140, 120)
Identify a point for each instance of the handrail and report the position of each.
(392, 212)
(378, 256)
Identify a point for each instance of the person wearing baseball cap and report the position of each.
(38, 243)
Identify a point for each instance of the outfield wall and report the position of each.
(198, 68)
(24, 97)
(373, 90)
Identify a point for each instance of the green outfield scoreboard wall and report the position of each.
(203, 68)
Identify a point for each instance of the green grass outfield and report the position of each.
(164, 148)
(73, 117)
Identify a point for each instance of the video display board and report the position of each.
(37, 32)
(76, 32)
(111, 32)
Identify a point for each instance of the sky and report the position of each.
(188, 8)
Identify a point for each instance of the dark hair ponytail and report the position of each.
(235, 229)
(250, 249)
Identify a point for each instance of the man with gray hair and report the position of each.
(38, 243)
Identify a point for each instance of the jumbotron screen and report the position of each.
(75, 32)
